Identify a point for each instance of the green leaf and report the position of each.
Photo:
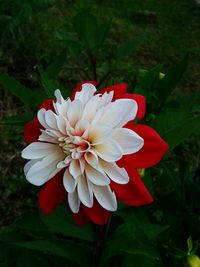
(86, 26)
(55, 67)
(190, 245)
(166, 85)
(129, 47)
(103, 30)
(146, 83)
(29, 258)
(179, 132)
(17, 119)
(60, 221)
(30, 221)
(63, 248)
(131, 240)
(49, 77)
(17, 89)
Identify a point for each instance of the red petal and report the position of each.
(80, 218)
(47, 104)
(151, 153)
(52, 194)
(32, 130)
(134, 193)
(119, 90)
(141, 101)
(79, 88)
(97, 214)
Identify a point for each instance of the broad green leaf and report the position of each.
(63, 248)
(17, 119)
(128, 47)
(86, 26)
(146, 84)
(179, 132)
(103, 30)
(60, 221)
(30, 221)
(29, 258)
(55, 67)
(17, 89)
(129, 239)
(49, 84)
(166, 85)
(140, 261)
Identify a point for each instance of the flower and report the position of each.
(87, 150)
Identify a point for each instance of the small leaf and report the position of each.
(17, 89)
(190, 245)
(128, 47)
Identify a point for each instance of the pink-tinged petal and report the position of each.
(118, 89)
(80, 218)
(99, 133)
(52, 194)
(134, 193)
(153, 150)
(97, 214)
(32, 131)
(141, 101)
(47, 104)
(79, 88)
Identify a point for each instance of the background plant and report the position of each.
(61, 48)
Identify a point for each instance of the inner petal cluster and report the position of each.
(86, 138)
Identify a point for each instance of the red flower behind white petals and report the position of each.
(85, 150)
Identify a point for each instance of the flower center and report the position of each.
(66, 145)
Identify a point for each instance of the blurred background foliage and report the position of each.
(55, 43)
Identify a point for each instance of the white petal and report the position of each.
(62, 124)
(51, 119)
(54, 133)
(89, 110)
(29, 164)
(105, 99)
(47, 138)
(74, 202)
(84, 192)
(129, 141)
(105, 197)
(120, 112)
(59, 96)
(86, 93)
(69, 182)
(41, 117)
(117, 174)
(39, 150)
(96, 177)
(92, 159)
(43, 170)
(82, 165)
(99, 133)
(109, 151)
(74, 168)
(74, 112)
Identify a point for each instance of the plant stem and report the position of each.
(99, 241)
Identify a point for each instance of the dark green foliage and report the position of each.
(80, 44)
